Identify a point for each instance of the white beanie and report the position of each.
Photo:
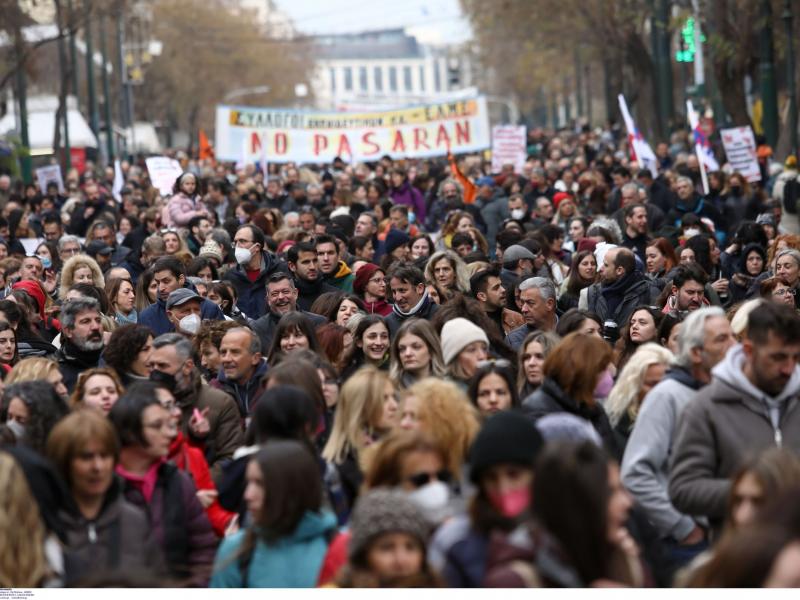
(457, 334)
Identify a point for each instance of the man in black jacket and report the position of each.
(304, 264)
(410, 296)
(82, 343)
(281, 299)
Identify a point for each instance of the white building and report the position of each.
(383, 68)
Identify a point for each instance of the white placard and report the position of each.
(509, 146)
(163, 173)
(45, 175)
(740, 148)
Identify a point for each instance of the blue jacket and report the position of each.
(155, 316)
(292, 562)
(253, 294)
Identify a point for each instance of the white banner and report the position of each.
(45, 175)
(281, 135)
(740, 148)
(163, 172)
(509, 146)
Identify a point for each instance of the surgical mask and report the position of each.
(46, 262)
(412, 218)
(604, 385)
(513, 503)
(190, 324)
(17, 428)
(690, 232)
(243, 255)
(242, 220)
(518, 213)
(166, 379)
(432, 500)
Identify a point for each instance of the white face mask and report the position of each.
(243, 255)
(18, 429)
(690, 232)
(518, 213)
(432, 500)
(190, 324)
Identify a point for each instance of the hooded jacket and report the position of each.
(343, 279)
(381, 307)
(155, 315)
(118, 539)
(411, 197)
(245, 393)
(645, 465)
(253, 294)
(292, 562)
(728, 420)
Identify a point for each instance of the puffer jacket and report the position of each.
(550, 398)
(181, 209)
(728, 420)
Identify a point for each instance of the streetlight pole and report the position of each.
(93, 116)
(791, 91)
(766, 73)
(106, 92)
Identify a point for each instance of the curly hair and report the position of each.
(124, 345)
(461, 275)
(447, 415)
(22, 562)
(45, 409)
(73, 264)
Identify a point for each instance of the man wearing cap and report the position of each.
(183, 310)
(104, 231)
(370, 286)
(304, 265)
(101, 253)
(170, 275)
(281, 300)
(517, 261)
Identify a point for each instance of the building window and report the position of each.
(407, 83)
(393, 79)
(421, 78)
(378, 74)
(332, 72)
(362, 78)
(348, 79)
(437, 77)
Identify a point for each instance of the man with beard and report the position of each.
(688, 290)
(281, 299)
(304, 264)
(488, 290)
(752, 404)
(82, 339)
(209, 417)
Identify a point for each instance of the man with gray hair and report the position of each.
(68, 246)
(82, 340)
(209, 418)
(537, 301)
(689, 201)
(243, 368)
(704, 338)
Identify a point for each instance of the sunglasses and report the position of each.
(420, 479)
(499, 362)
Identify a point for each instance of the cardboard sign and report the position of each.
(740, 148)
(45, 175)
(509, 146)
(280, 135)
(163, 173)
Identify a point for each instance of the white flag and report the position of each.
(642, 151)
(119, 181)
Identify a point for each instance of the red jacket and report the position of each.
(190, 459)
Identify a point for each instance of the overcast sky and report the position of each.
(433, 21)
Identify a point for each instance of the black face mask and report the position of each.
(166, 379)
(736, 190)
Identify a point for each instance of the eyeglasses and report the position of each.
(420, 479)
(498, 362)
(785, 291)
(377, 280)
(72, 251)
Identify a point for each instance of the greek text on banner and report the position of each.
(281, 135)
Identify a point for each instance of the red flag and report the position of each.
(206, 151)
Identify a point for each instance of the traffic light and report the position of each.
(687, 49)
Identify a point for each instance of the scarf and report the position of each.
(421, 306)
(130, 319)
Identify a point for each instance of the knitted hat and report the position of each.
(363, 275)
(383, 511)
(563, 426)
(505, 437)
(791, 162)
(457, 334)
(35, 291)
(560, 197)
(210, 250)
(394, 239)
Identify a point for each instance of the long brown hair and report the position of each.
(576, 363)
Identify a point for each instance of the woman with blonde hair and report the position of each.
(97, 388)
(457, 220)
(416, 353)
(37, 368)
(22, 563)
(644, 369)
(448, 271)
(440, 409)
(365, 411)
(80, 269)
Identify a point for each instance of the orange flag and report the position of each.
(206, 151)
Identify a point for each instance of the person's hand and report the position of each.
(207, 497)
(623, 540)
(720, 286)
(233, 526)
(732, 249)
(88, 212)
(198, 423)
(696, 536)
(50, 281)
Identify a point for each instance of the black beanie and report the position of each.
(505, 437)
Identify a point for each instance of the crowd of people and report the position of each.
(412, 373)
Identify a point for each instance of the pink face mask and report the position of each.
(604, 385)
(511, 504)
